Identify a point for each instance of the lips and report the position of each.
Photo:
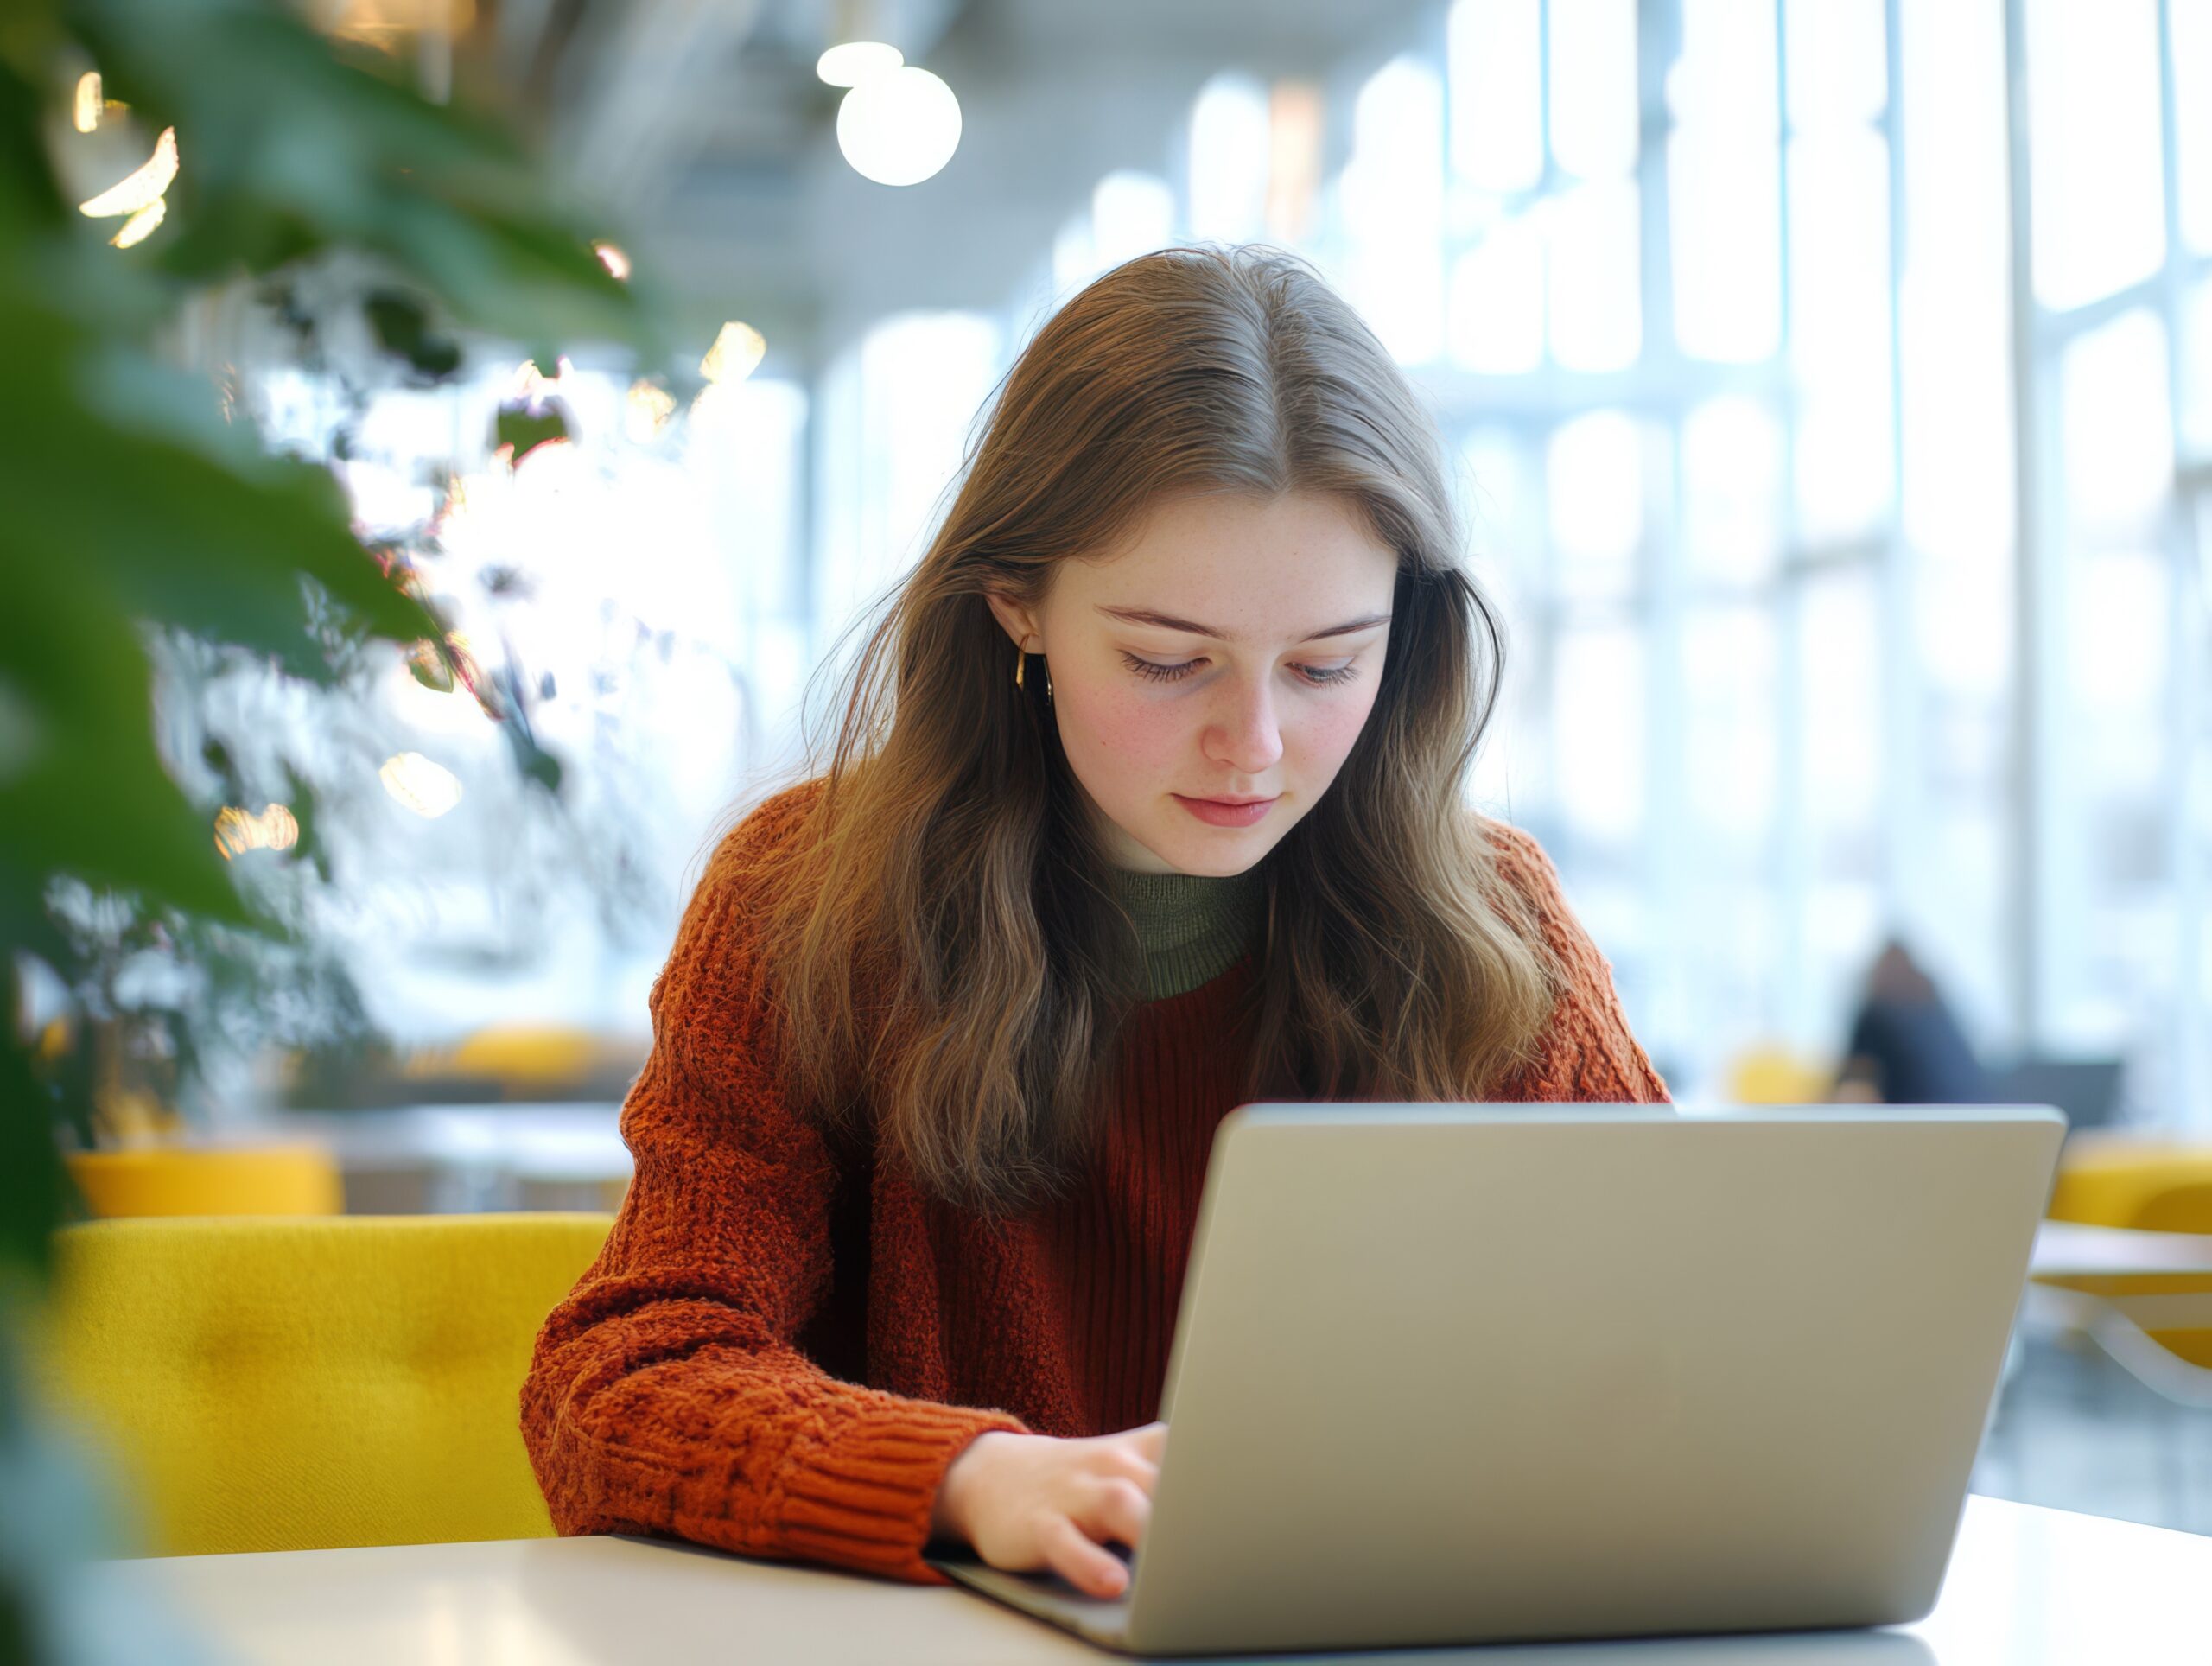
(1227, 812)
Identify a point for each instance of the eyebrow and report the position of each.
(1169, 623)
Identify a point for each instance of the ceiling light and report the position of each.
(856, 61)
(898, 129)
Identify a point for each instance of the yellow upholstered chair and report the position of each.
(2149, 1185)
(1768, 1073)
(2185, 1206)
(267, 1180)
(2108, 1179)
(2171, 1310)
(271, 1385)
(526, 1055)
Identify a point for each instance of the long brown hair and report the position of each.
(952, 963)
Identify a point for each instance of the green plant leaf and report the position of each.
(295, 146)
(528, 427)
(401, 323)
(93, 797)
(35, 1189)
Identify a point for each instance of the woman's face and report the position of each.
(1210, 674)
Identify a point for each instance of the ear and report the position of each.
(1019, 622)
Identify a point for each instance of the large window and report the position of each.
(2117, 147)
(1851, 525)
(629, 599)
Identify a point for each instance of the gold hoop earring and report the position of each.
(1020, 659)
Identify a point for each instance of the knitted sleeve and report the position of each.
(666, 1394)
(1586, 1052)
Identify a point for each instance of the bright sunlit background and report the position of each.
(1827, 384)
(1836, 436)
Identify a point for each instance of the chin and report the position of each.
(1230, 852)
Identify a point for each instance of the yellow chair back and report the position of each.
(2108, 1179)
(275, 1180)
(2185, 1206)
(530, 1056)
(266, 1384)
(1771, 1074)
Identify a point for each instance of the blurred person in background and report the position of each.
(1906, 1047)
(1148, 801)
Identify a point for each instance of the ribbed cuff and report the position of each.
(860, 1494)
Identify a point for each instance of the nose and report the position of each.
(1242, 731)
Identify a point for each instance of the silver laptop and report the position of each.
(1478, 1373)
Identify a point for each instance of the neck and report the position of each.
(1192, 927)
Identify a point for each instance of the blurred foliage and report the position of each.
(135, 510)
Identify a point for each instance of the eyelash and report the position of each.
(1314, 676)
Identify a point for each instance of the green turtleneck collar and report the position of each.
(1193, 926)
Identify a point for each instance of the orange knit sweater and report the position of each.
(781, 1353)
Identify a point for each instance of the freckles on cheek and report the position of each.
(1328, 738)
(1122, 732)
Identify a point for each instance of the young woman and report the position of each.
(1149, 802)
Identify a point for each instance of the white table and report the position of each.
(2027, 1587)
(2079, 1277)
(477, 1156)
(2068, 1250)
(557, 1139)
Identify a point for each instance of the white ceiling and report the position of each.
(701, 122)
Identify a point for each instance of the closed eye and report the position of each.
(1317, 676)
(1158, 672)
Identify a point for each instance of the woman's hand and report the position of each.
(1027, 1502)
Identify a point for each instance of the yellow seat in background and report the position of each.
(1769, 1073)
(2185, 1206)
(527, 1055)
(266, 1180)
(274, 1385)
(2110, 1180)
(2144, 1188)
